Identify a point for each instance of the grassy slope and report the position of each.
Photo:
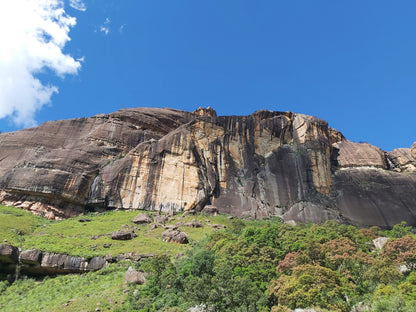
(91, 290)
(103, 289)
(87, 239)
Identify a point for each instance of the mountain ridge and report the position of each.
(265, 164)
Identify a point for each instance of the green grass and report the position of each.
(86, 292)
(103, 289)
(87, 239)
(17, 224)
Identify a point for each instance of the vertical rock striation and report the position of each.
(266, 164)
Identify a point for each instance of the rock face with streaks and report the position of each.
(266, 164)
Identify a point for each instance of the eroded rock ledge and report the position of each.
(266, 164)
(36, 262)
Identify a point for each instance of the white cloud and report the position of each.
(105, 27)
(32, 37)
(78, 5)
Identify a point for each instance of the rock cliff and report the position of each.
(266, 164)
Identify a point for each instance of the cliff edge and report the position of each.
(266, 164)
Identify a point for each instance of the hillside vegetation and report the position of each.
(248, 266)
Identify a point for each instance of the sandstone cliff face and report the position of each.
(265, 164)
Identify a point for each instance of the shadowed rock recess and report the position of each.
(266, 164)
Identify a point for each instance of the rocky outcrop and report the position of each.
(266, 164)
(36, 262)
(175, 236)
(142, 218)
(133, 276)
(402, 160)
(351, 154)
(122, 235)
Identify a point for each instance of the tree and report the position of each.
(312, 285)
(402, 251)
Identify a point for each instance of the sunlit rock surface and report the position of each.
(266, 164)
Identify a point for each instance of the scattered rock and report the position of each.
(360, 307)
(61, 263)
(122, 235)
(171, 227)
(96, 263)
(142, 218)
(188, 212)
(160, 220)
(175, 236)
(379, 242)
(49, 215)
(31, 257)
(201, 308)
(291, 222)
(9, 254)
(179, 255)
(193, 224)
(133, 276)
(109, 258)
(218, 226)
(84, 220)
(210, 210)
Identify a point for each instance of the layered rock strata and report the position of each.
(266, 164)
(36, 262)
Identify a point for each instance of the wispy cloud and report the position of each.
(32, 37)
(105, 27)
(121, 28)
(78, 5)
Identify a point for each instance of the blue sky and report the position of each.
(351, 63)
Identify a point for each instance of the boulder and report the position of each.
(160, 220)
(55, 263)
(9, 254)
(142, 218)
(122, 235)
(133, 276)
(379, 242)
(193, 224)
(32, 257)
(175, 236)
(218, 226)
(413, 150)
(96, 263)
(210, 210)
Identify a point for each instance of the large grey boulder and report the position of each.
(142, 218)
(122, 235)
(9, 254)
(175, 236)
(133, 276)
(96, 263)
(32, 257)
(61, 263)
